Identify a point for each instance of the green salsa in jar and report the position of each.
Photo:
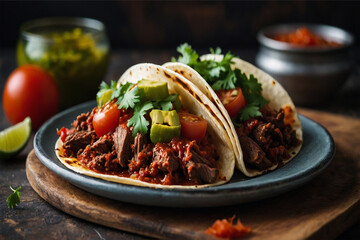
(74, 50)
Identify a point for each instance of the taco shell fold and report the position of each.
(194, 101)
(271, 90)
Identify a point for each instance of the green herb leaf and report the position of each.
(120, 92)
(227, 83)
(14, 198)
(130, 98)
(113, 84)
(103, 85)
(138, 121)
(166, 106)
(249, 111)
(217, 50)
(216, 71)
(189, 56)
(221, 76)
(103, 89)
(168, 103)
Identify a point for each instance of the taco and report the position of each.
(152, 128)
(265, 127)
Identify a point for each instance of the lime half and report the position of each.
(14, 138)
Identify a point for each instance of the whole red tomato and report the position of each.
(30, 91)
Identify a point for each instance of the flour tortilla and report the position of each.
(191, 99)
(271, 90)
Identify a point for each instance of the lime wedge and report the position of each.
(14, 138)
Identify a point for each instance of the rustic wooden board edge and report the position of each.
(338, 224)
(148, 228)
(348, 218)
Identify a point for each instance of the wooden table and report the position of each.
(34, 218)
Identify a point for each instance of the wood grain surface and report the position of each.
(321, 209)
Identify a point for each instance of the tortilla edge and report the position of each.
(266, 80)
(226, 170)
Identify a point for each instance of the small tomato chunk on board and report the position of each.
(226, 228)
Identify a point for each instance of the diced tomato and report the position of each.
(232, 99)
(192, 126)
(226, 229)
(106, 119)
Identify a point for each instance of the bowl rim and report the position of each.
(265, 40)
(81, 22)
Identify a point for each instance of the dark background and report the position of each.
(151, 31)
(166, 24)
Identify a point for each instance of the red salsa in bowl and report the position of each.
(302, 36)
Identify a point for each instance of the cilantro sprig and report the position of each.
(138, 120)
(128, 96)
(221, 76)
(14, 198)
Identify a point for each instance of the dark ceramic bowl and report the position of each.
(311, 75)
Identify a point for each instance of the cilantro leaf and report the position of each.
(216, 71)
(173, 100)
(189, 56)
(130, 98)
(113, 84)
(138, 121)
(104, 86)
(253, 84)
(104, 89)
(221, 76)
(166, 105)
(227, 83)
(249, 111)
(14, 198)
(120, 92)
(216, 51)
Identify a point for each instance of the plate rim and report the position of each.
(247, 193)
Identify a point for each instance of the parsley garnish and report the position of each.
(129, 96)
(14, 198)
(220, 76)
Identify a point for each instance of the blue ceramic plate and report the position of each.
(316, 154)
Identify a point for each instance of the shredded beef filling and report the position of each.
(122, 142)
(266, 140)
(77, 141)
(102, 145)
(180, 161)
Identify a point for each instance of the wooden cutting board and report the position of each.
(321, 209)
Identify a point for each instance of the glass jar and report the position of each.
(75, 51)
